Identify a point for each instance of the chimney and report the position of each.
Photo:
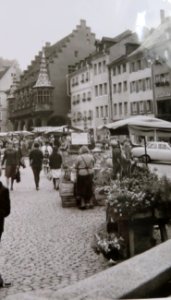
(83, 23)
(162, 15)
(47, 44)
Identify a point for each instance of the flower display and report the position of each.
(142, 192)
(110, 245)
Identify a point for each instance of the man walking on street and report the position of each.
(36, 159)
(5, 209)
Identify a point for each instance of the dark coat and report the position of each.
(36, 158)
(55, 161)
(5, 206)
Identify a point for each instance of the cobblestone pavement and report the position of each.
(45, 246)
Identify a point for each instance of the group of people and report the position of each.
(83, 164)
(42, 154)
(51, 156)
(46, 157)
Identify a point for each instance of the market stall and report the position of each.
(136, 204)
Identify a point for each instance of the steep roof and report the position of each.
(43, 78)
(3, 72)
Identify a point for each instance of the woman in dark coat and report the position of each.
(84, 165)
(5, 209)
(4, 206)
(36, 160)
(55, 162)
(11, 160)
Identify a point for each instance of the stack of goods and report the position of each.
(66, 186)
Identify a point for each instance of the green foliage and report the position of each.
(144, 191)
(110, 245)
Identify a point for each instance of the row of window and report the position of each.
(102, 111)
(120, 108)
(136, 107)
(133, 67)
(37, 99)
(140, 85)
(142, 107)
(84, 77)
(83, 97)
(162, 79)
(100, 89)
(85, 116)
(138, 65)
(120, 87)
(119, 69)
(99, 67)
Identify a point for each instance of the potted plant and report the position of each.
(137, 204)
(110, 245)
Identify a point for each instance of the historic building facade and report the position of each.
(35, 104)
(150, 73)
(8, 75)
(90, 83)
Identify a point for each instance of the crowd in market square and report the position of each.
(52, 153)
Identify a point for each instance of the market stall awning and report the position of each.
(56, 129)
(22, 132)
(138, 125)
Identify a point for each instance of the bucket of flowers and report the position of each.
(102, 180)
(111, 246)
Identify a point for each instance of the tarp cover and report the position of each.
(138, 125)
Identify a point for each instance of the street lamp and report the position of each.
(104, 120)
(85, 123)
(69, 115)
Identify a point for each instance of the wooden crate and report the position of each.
(68, 201)
(66, 191)
(66, 188)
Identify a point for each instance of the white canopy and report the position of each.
(139, 125)
(55, 129)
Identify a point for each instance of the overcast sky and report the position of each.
(25, 25)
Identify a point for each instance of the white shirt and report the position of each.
(48, 148)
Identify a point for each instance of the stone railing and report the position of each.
(137, 277)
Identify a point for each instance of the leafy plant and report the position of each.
(110, 245)
(142, 192)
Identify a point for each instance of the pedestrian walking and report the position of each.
(84, 187)
(11, 160)
(116, 158)
(64, 149)
(5, 208)
(36, 160)
(55, 162)
(127, 147)
(47, 151)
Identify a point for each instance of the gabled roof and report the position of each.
(43, 78)
(3, 72)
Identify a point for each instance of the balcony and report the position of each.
(42, 108)
(24, 112)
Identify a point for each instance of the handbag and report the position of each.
(17, 176)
